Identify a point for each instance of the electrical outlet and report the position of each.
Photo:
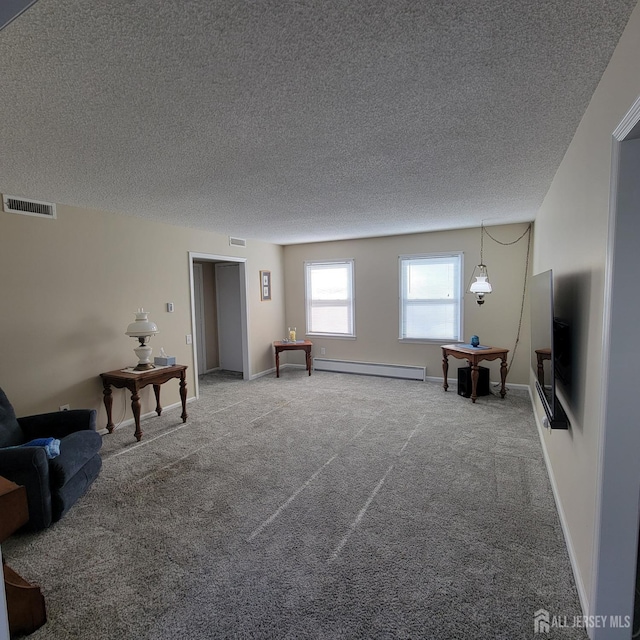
(64, 407)
(322, 351)
(189, 339)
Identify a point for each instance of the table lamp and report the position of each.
(142, 328)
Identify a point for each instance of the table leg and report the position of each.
(308, 352)
(503, 377)
(445, 370)
(183, 396)
(277, 363)
(475, 373)
(540, 372)
(135, 407)
(108, 404)
(156, 390)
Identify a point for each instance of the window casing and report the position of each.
(329, 298)
(431, 297)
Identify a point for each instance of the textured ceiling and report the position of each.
(300, 120)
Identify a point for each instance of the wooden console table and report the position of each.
(291, 346)
(25, 603)
(475, 356)
(134, 381)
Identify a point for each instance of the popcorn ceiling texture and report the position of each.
(292, 121)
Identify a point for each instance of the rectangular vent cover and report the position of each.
(237, 242)
(29, 207)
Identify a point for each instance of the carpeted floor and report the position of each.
(330, 506)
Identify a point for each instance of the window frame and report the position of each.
(401, 293)
(350, 303)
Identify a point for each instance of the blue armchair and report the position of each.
(53, 484)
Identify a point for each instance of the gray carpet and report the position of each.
(330, 506)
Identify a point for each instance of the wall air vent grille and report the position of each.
(237, 242)
(29, 207)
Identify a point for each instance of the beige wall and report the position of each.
(571, 233)
(70, 287)
(376, 295)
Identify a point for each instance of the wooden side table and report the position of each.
(25, 603)
(475, 356)
(305, 345)
(134, 381)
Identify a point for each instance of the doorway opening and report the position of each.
(219, 314)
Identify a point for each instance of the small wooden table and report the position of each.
(134, 381)
(25, 603)
(305, 345)
(475, 356)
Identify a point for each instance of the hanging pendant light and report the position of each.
(481, 286)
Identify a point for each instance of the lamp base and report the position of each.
(144, 367)
(144, 357)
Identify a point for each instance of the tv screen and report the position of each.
(548, 348)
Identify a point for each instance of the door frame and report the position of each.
(244, 311)
(199, 337)
(613, 571)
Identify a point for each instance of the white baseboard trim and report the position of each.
(494, 383)
(577, 576)
(267, 372)
(151, 414)
(261, 374)
(403, 371)
(515, 385)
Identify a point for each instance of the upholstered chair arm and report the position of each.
(58, 424)
(29, 466)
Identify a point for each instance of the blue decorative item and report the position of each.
(475, 341)
(51, 446)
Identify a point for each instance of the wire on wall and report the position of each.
(524, 286)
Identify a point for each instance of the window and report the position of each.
(431, 297)
(329, 297)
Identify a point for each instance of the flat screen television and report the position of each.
(549, 349)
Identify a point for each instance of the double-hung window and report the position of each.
(329, 298)
(431, 297)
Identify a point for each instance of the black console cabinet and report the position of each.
(464, 382)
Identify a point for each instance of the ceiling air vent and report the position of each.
(29, 207)
(237, 242)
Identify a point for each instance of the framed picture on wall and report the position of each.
(265, 285)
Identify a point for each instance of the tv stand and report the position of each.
(559, 420)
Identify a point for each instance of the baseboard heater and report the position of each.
(407, 372)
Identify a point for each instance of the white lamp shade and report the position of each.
(142, 326)
(481, 285)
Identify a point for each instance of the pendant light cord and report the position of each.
(524, 290)
(524, 287)
(504, 244)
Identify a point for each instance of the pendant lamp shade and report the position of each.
(482, 284)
